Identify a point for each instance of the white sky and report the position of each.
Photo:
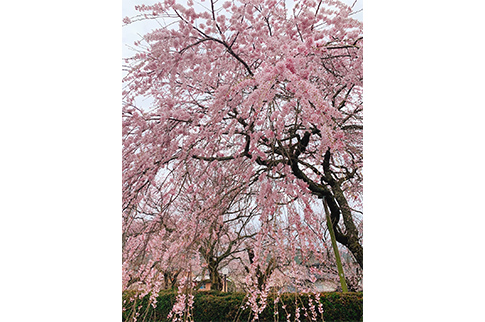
(134, 31)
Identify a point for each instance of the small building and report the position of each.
(204, 285)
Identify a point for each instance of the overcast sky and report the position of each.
(134, 31)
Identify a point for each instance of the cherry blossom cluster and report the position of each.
(255, 118)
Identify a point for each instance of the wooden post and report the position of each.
(225, 283)
(340, 269)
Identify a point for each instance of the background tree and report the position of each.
(221, 200)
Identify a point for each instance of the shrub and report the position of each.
(216, 306)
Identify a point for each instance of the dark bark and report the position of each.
(170, 280)
(335, 197)
(262, 274)
(214, 275)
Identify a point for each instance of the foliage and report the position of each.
(224, 307)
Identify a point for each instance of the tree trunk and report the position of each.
(170, 280)
(214, 276)
(340, 269)
(352, 234)
(335, 199)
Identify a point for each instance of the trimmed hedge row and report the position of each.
(215, 306)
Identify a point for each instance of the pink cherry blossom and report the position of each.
(256, 115)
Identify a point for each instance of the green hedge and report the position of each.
(223, 307)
